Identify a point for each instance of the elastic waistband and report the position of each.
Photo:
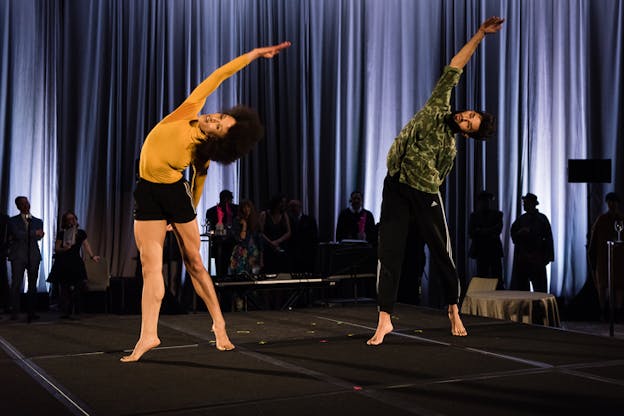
(141, 180)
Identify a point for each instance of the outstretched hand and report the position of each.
(271, 51)
(492, 25)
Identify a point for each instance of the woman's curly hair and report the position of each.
(238, 141)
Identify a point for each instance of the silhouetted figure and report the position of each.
(5, 302)
(485, 227)
(603, 230)
(303, 243)
(534, 248)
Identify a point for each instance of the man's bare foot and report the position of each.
(141, 347)
(221, 336)
(457, 327)
(384, 327)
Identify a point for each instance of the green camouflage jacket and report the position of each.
(424, 151)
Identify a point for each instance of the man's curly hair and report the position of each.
(238, 141)
(487, 127)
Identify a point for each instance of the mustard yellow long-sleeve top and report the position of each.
(167, 150)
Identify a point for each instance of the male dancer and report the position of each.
(418, 161)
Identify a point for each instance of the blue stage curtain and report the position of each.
(83, 82)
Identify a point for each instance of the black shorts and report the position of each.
(163, 201)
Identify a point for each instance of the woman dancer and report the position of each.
(164, 198)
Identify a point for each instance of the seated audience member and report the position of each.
(220, 218)
(275, 230)
(303, 242)
(247, 253)
(355, 222)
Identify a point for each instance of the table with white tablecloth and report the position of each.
(514, 305)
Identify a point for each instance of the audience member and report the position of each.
(303, 242)
(68, 270)
(24, 232)
(220, 217)
(5, 303)
(247, 253)
(603, 230)
(355, 222)
(275, 230)
(534, 248)
(485, 227)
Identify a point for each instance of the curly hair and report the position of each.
(238, 141)
(487, 127)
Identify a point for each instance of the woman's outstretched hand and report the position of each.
(270, 51)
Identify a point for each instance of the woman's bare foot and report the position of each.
(221, 336)
(457, 327)
(141, 347)
(384, 327)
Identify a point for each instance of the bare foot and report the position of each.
(457, 327)
(223, 341)
(141, 347)
(384, 327)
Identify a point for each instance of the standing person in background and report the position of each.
(163, 198)
(68, 270)
(418, 162)
(355, 222)
(485, 227)
(603, 230)
(24, 232)
(303, 243)
(534, 247)
(5, 302)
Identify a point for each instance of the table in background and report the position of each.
(514, 305)
(297, 284)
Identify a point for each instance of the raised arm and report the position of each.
(491, 25)
(195, 101)
(221, 74)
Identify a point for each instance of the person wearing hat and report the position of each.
(485, 227)
(603, 230)
(418, 162)
(534, 247)
(220, 218)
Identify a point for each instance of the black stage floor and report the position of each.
(308, 362)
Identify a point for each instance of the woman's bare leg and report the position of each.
(149, 236)
(188, 239)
